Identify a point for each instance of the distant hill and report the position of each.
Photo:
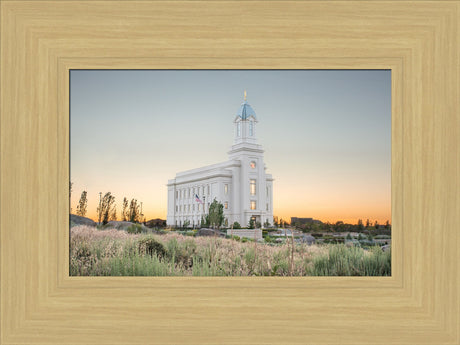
(79, 220)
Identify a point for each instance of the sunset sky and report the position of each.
(326, 135)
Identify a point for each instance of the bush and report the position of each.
(268, 239)
(236, 225)
(149, 246)
(134, 229)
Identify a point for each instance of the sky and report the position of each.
(326, 136)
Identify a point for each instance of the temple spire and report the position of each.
(245, 96)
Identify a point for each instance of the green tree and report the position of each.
(387, 224)
(124, 210)
(216, 214)
(360, 225)
(251, 224)
(204, 221)
(338, 226)
(376, 225)
(266, 224)
(134, 211)
(106, 208)
(368, 223)
(113, 216)
(82, 204)
(236, 225)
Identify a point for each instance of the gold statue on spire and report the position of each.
(245, 95)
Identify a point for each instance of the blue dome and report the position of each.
(245, 111)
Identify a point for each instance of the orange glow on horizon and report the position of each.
(331, 216)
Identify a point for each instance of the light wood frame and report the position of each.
(417, 40)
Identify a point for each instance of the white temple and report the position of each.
(240, 184)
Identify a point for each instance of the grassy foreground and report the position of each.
(116, 253)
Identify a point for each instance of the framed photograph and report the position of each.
(42, 42)
(295, 181)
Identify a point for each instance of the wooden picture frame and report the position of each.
(417, 40)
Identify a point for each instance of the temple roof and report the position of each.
(246, 111)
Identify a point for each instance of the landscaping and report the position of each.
(134, 252)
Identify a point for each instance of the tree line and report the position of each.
(107, 209)
(339, 226)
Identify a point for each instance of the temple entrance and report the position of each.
(256, 219)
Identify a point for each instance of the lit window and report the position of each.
(226, 189)
(226, 205)
(252, 187)
(252, 165)
(253, 205)
(251, 128)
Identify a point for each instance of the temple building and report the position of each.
(241, 183)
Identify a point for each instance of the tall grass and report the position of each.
(352, 261)
(117, 253)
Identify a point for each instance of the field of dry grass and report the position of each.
(117, 253)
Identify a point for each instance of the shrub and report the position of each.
(149, 246)
(134, 229)
(236, 225)
(268, 239)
